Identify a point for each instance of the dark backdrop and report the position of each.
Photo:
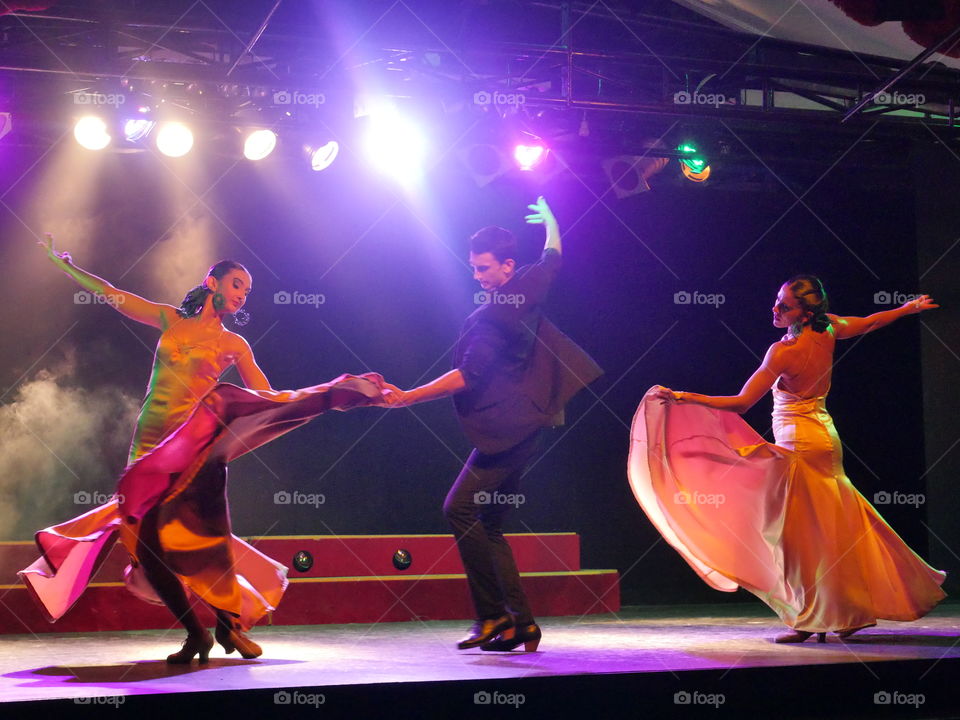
(391, 269)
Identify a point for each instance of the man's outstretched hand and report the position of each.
(541, 213)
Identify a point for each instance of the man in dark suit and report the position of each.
(513, 373)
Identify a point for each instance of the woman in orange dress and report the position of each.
(780, 520)
(170, 508)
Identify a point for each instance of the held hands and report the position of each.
(541, 213)
(918, 305)
(61, 260)
(392, 396)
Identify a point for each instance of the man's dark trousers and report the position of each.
(475, 507)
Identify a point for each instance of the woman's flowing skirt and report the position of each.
(781, 521)
(184, 479)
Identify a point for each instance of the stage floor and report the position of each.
(674, 640)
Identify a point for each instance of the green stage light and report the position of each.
(692, 162)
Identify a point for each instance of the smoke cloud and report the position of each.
(62, 448)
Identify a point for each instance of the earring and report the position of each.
(219, 301)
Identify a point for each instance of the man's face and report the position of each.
(490, 272)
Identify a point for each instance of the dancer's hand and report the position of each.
(665, 395)
(541, 213)
(393, 396)
(61, 260)
(918, 305)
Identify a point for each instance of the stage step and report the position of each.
(352, 580)
(349, 555)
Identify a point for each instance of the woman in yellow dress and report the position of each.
(170, 508)
(780, 520)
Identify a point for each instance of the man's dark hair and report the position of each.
(496, 240)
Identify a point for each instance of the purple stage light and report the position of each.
(528, 157)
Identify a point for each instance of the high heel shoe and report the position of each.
(483, 631)
(528, 635)
(842, 634)
(193, 645)
(798, 636)
(233, 639)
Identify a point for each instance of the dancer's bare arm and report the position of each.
(755, 388)
(133, 306)
(447, 384)
(848, 327)
(251, 374)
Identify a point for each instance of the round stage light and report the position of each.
(259, 144)
(174, 139)
(323, 157)
(528, 157)
(395, 146)
(136, 129)
(303, 561)
(402, 559)
(692, 163)
(91, 133)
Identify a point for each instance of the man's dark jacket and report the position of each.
(519, 368)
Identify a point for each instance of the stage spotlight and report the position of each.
(692, 162)
(484, 162)
(529, 156)
(402, 559)
(303, 561)
(628, 174)
(394, 145)
(91, 133)
(136, 129)
(174, 139)
(259, 144)
(323, 156)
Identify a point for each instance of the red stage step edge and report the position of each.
(349, 555)
(372, 590)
